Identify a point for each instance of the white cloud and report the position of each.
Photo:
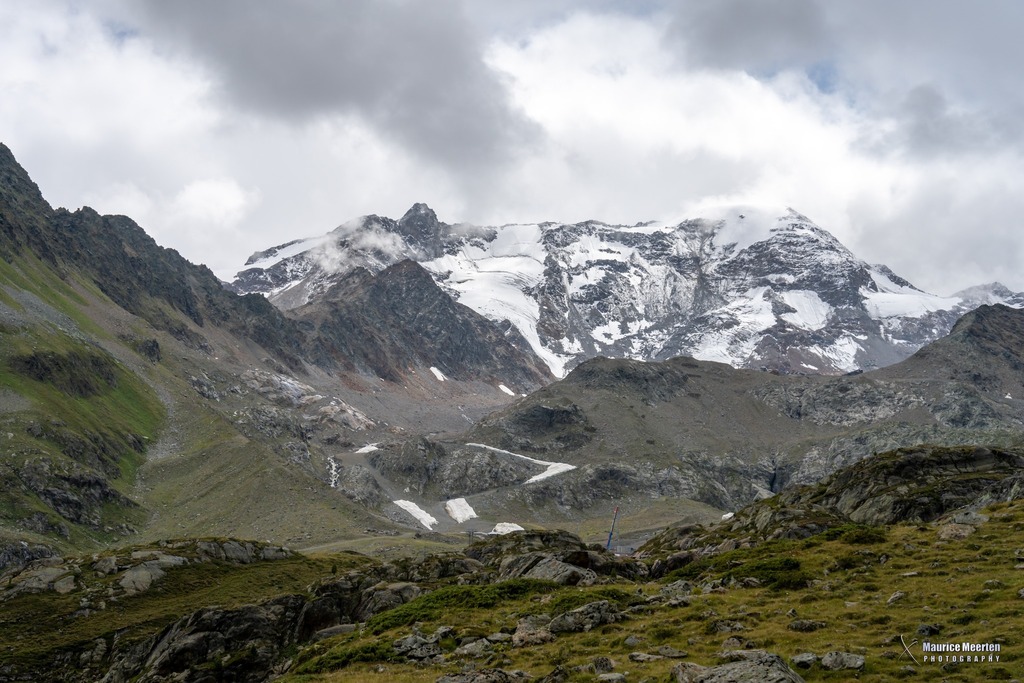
(624, 114)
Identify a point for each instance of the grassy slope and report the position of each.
(949, 584)
(125, 408)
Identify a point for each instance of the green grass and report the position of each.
(443, 601)
(83, 412)
(946, 583)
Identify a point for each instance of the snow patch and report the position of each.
(811, 312)
(421, 515)
(368, 448)
(553, 468)
(502, 528)
(335, 473)
(893, 300)
(506, 390)
(294, 249)
(459, 510)
(438, 374)
(727, 516)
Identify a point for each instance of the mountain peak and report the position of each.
(421, 228)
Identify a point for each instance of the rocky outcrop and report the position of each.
(386, 324)
(252, 638)
(556, 555)
(585, 618)
(15, 555)
(745, 666)
(916, 484)
(135, 572)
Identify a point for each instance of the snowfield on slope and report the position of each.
(459, 510)
(421, 515)
(553, 468)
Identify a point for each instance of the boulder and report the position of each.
(747, 666)
(533, 630)
(805, 625)
(477, 649)
(585, 618)
(545, 567)
(805, 660)
(842, 661)
(141, 577)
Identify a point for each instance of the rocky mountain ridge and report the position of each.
(137, 393)
(636, 433)
(751, 287)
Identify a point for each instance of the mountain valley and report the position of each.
(311, 447)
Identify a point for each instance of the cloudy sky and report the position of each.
(227, 126)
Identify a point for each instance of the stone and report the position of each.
(955, 532)
(895, 597)
(602, 665)
(105, 565)
(532, 630)
(929, 630)
(557, 675)
(238, 552)
(139, 578)
(671, 652)
(969, 517)
(745, 666)
(641, 657)
(631, 641)
(585, 618)
(477, 649)
(612, 678)
(842, 661)
(500, 637)
(677, 589)
(65, 584)
(543, 566)
(726, 626)
(805, 660)
(805, 625)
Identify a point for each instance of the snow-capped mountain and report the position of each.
(746, 286)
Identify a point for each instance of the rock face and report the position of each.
(916, 484)
(751, 287)
(552, 555)
(747, 666)
(386, 323)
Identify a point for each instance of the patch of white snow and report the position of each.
(459, 510)
(553, 468)
(502, 528)
(506, 390)
(421, 515)
(811, 312)
(438, 374)
(368, 448)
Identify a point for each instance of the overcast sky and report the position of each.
(227, 126)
